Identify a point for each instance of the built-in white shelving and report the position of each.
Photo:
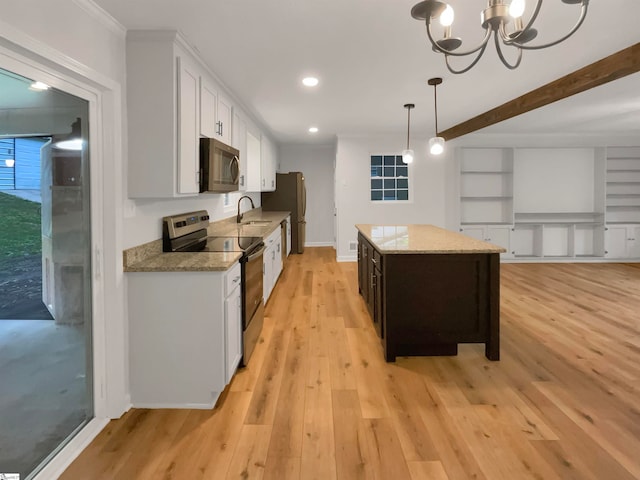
(559, 203)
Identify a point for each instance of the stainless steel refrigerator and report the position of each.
(290, 195)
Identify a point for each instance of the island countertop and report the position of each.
(415, 238)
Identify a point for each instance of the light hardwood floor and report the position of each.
(318, 401)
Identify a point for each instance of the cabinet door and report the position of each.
(208, 102)
(267, 274)
(377, 302)
(633, 242)
(474, 232)
(277, 262)
(616, 242)
(188, 120)
(267, 165)
(500, 236)
(253, 172)
(288, 236)
(233, 332)
(224, 114)
(239, 141)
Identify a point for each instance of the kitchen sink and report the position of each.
(257, 222)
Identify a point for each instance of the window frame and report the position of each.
(409, 189)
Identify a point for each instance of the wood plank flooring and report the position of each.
(318, 401)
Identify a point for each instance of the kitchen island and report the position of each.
(429, 289)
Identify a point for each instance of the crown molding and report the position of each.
(102, 16)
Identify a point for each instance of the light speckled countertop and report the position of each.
(423, 239)
(149, 257)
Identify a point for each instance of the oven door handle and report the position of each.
(254, 255)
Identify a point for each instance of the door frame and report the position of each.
(30, 58)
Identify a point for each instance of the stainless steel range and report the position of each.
(187, 232)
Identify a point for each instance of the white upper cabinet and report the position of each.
(253, 171)
(163, 116)
(268, 164)
(239, 141)
(215, 112)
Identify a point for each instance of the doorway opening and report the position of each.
(46, 352)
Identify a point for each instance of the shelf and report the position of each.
(623, 183)
(623, 195)
(556, 223)
(623, 170)
(487, 198)
(630, 208)
(506, 224)
(623, 223)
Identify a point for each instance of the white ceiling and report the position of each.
(372, 57)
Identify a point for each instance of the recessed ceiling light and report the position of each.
(310, 81)
(313, 129)
(39, 86)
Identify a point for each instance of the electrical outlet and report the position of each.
(353, 246)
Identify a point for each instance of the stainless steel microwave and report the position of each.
(219, 166)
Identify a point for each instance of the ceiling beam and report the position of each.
(615, 66)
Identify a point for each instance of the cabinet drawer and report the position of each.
(232, 279)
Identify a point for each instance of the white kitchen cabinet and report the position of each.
(268, 164)
(233, 322)
(183, 343)
(288, 235)
(239, 141)
(215, 112)
(272, 262)
(496, 234)
(253, 177)
(163, 115)
(622, 241)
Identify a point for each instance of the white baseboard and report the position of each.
(347, 258)
(71, 450)
(191, 406)
(318, 244)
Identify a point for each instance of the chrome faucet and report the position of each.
(240, 215)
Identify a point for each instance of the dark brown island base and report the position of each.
(429, 289)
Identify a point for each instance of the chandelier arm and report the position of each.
(529, 24)
(583, 15)
(438, 48)
(469, 67)
(501, 55)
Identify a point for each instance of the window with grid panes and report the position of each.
(389, 178)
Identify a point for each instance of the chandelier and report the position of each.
(503, 18)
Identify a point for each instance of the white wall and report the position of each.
(428, 178)
(316, 162)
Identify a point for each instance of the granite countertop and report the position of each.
(149, 257)
(423, 239)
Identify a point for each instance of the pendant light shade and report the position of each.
(407, 153)
(73, 140)
(436, 144)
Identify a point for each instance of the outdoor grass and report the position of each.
(20, 230)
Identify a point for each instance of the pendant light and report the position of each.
(436, 144)
(71, 141)
(407, 154)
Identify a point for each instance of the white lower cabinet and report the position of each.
(622, 241)
(288, 235)
(183, 343)
(497, 234)
(272, 262)
(233, 323)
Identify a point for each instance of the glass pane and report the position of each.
(403, 194)
(402, 171)
(389, 184)
(376, 160)
(376, 194)
(399, 160)
(45, 273)
(403, 183)
(376, 184)
(389, 171)
(389, 194)
(389, 160)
